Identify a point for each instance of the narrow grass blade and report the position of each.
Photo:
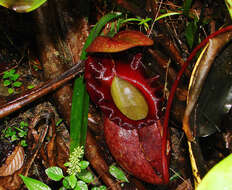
(79, 114)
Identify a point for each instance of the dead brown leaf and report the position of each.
(13, 163)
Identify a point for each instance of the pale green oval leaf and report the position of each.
(54, 173)
(17, 84)
(81, 185)
(65, 183)
(102, 187)
(86, 176)
(33, 184)
(30, 87)
(219, 177)
(118, 173)
(72, 180)
(10, 90)
(6, 82)
(84, 164)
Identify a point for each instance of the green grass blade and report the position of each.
(85, 118)
(79, 114)
(187, 6)
(166, 15)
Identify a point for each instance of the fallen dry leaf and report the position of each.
(13, 162)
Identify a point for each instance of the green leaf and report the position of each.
(81, 185)
(14, 77)
(22, 134)
(33, 184)
(59, 122)
(10, 90)
(23, 143)
(96, 31)
(143, 21)
(79, 114)
(23, 124)
(6, 82)
(85, 176)
(219, 177)
(102, 187)
(22, 6)
(72, 180)
(190, 33)
(6, 75)
(17, 84)
(54, 173)
(30, 87)
(187, 6)
(11, 72)
(118, 173)
(65, 183)
(84, 164)
(9, 132)
(14, 138)
(229, 6)
(166, 15)
(62, 188)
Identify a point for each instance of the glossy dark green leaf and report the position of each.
(22, 6)
(79, 114)
(33, 184)
(54, 173)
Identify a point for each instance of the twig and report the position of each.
(40, 91)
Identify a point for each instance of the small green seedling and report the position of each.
(17, 133)
(10, 80)
(30, 87)
(79, 177)
(59, 122)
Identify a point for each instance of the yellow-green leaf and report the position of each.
(22, 6)
(219, 177)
